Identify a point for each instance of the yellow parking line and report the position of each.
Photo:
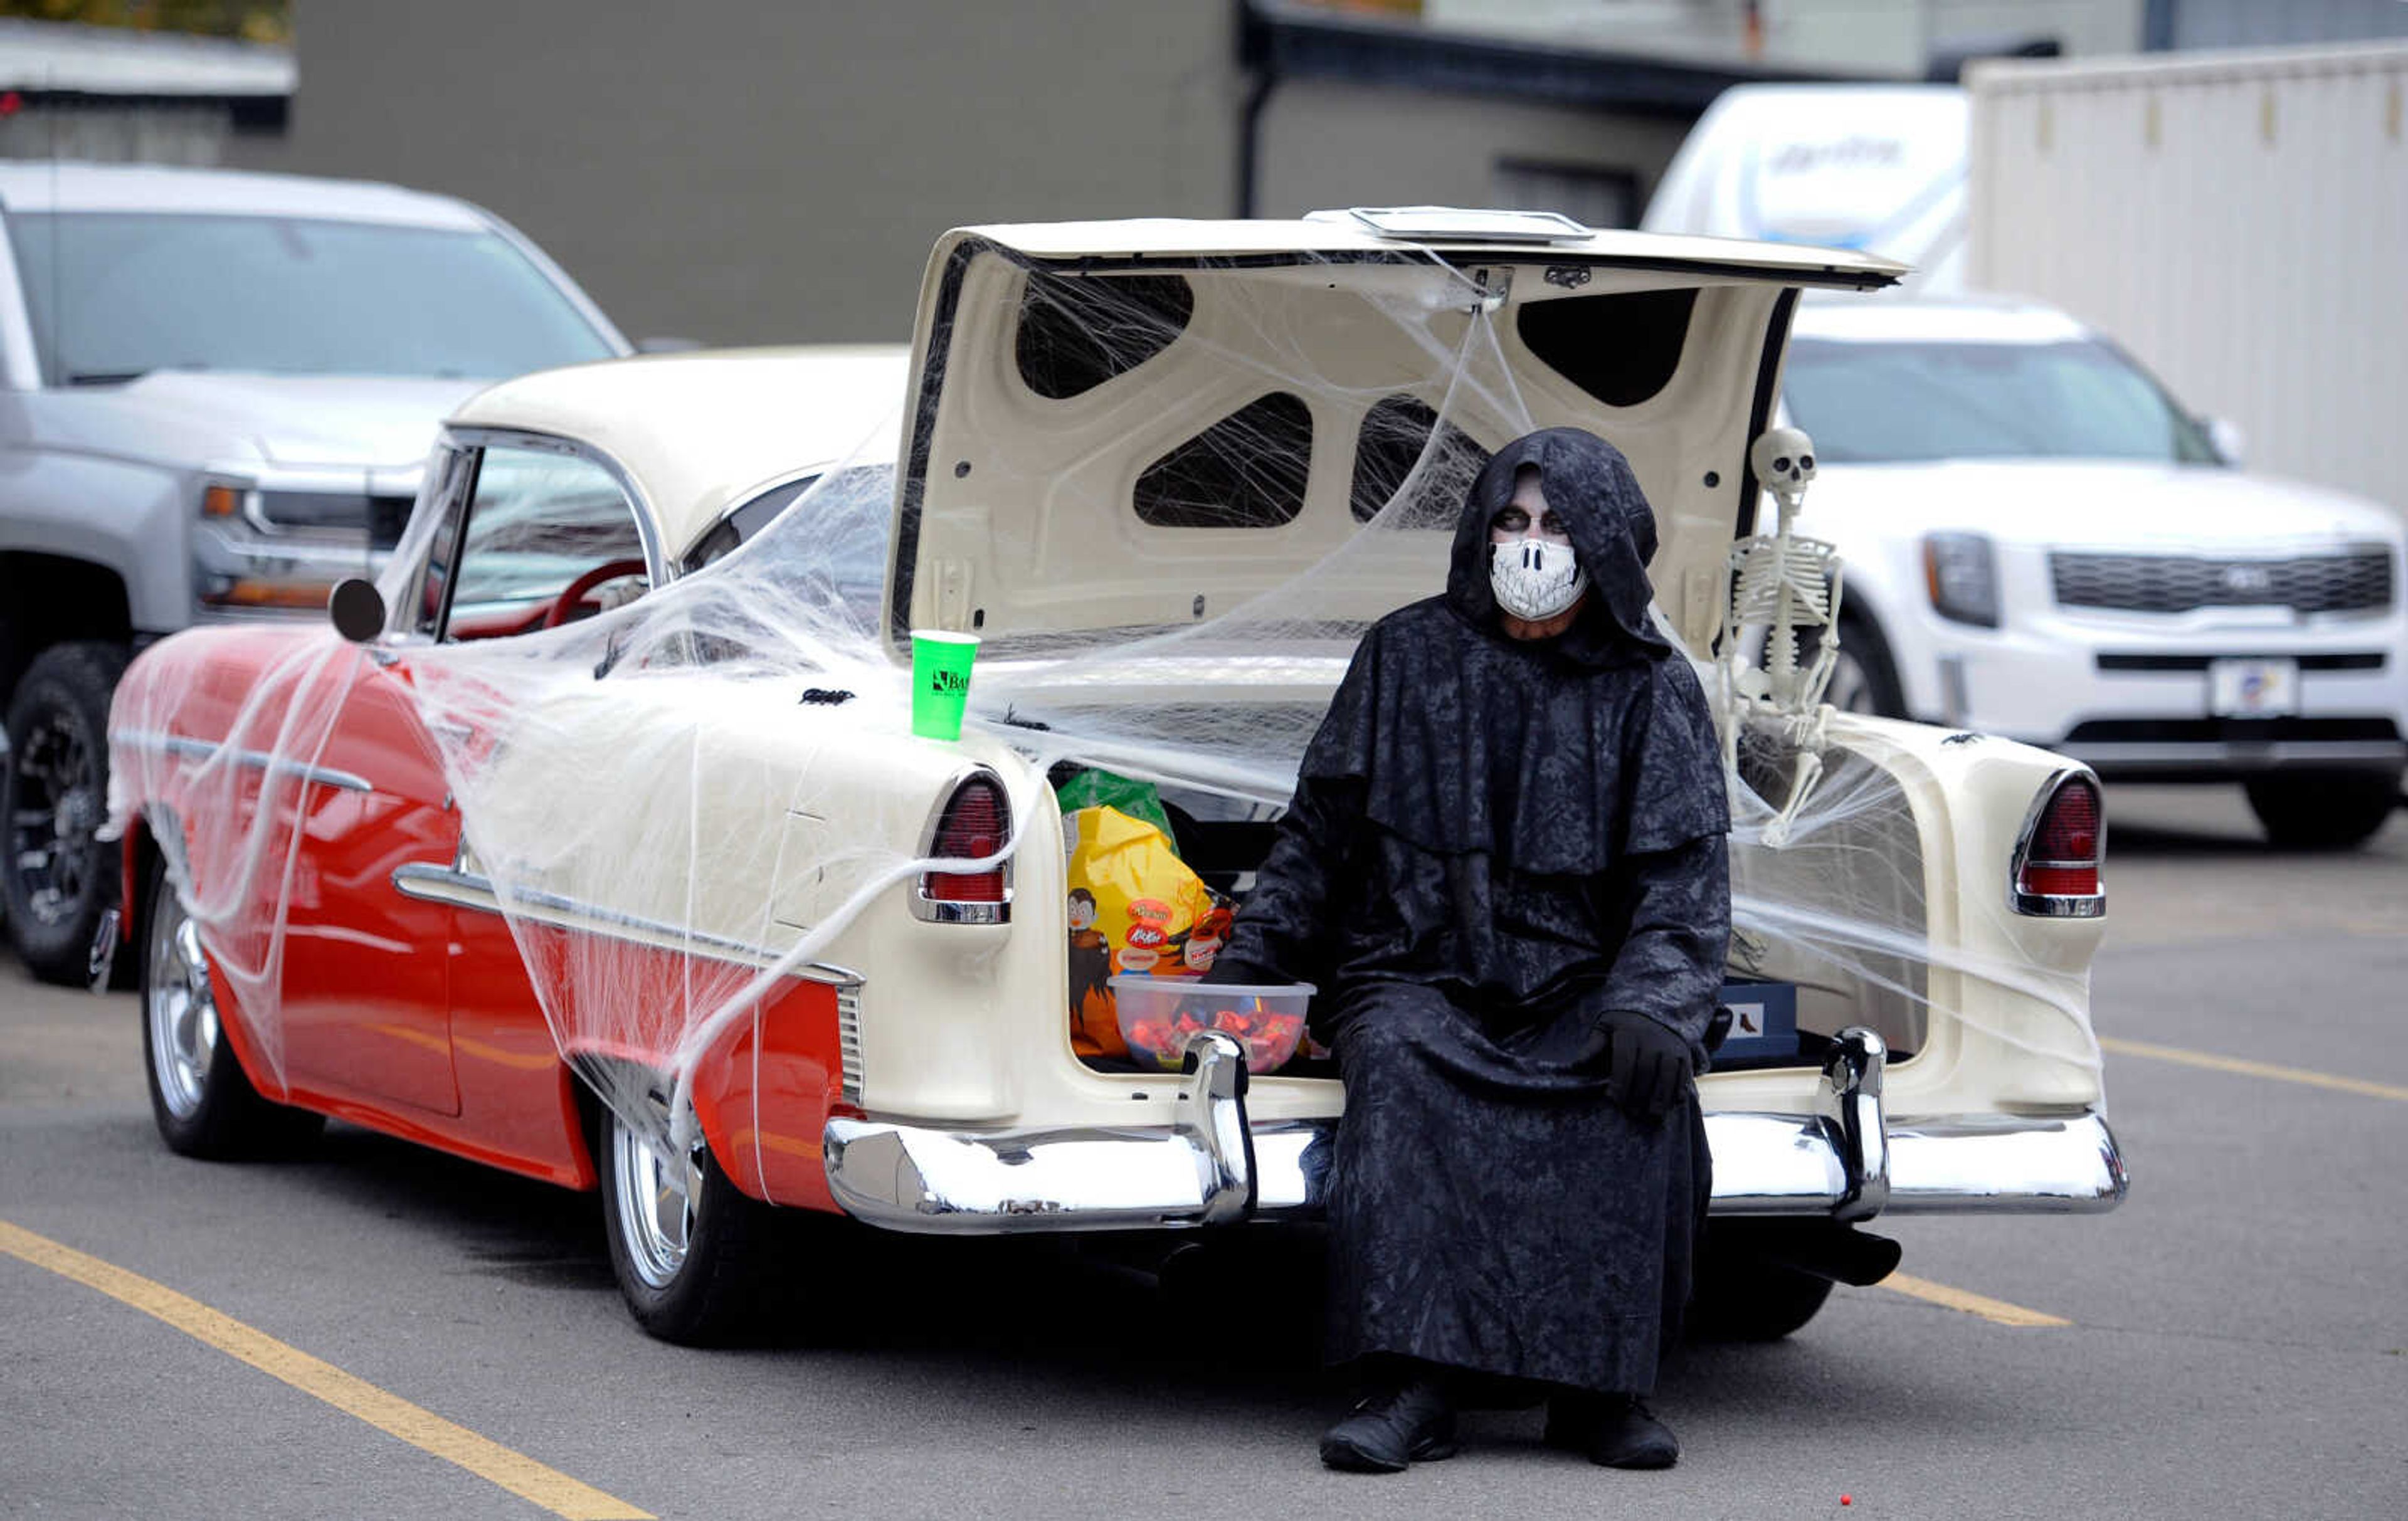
(1998, 1311)
(2248, 1068)
(490, 1460)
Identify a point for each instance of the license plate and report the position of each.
(2253, 688)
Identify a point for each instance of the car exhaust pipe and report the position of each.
(1817, 1248)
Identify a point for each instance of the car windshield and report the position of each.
(1934, 401)
(114, 295)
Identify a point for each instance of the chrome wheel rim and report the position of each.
(179, 1006)
(659, 1199)
(57, 808)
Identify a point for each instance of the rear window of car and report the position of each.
(847, 536)
(114, 295)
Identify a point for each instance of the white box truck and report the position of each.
(2238, 220)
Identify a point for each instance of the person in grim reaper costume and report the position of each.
(1505, 867)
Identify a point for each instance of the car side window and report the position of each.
(743, 521)
(538, 523)
(459, 467)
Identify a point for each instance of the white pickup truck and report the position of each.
(217, 391)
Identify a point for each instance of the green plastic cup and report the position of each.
(940, 681)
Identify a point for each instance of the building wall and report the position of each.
(2234, 219)
(2258, 23)
(1325, 143)
(105, 133)
(1894, 37)
(761, 172)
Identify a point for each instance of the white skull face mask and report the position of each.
(1533, 578)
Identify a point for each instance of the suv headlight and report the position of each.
(1963, 578)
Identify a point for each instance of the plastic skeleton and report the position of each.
(1779, 585)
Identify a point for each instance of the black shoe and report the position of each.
(1616, 1430)
(1412, 1423)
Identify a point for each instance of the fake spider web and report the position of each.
(675, 828)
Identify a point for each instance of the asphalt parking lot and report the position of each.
(2232, 1341)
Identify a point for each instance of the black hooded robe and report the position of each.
(1493, 843)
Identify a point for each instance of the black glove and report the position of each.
(1650, 1063)
(1229, 969)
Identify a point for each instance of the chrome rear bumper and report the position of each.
(1846, 1161)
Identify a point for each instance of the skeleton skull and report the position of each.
(1783, 459)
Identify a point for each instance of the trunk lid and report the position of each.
(1118, 428)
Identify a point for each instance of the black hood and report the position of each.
(1590, 485)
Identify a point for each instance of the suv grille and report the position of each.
(2359, 579)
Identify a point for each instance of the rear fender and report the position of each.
(2010, 993)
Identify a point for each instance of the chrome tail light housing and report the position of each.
(2055, 873)
(974, 824)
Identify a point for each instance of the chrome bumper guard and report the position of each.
(1846, 1161)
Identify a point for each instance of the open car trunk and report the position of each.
(1867, 867)
(1170, 472)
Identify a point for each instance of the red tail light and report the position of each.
(976, 822)
(2057, 864)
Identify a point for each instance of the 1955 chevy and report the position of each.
(603, 849)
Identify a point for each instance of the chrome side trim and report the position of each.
(179, 744)
(431, 883)
(848, 1039)
(2056, 905)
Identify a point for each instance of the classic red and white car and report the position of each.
(609, 857)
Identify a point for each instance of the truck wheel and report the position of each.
(693, 1253)
(2323, 812)
(203, 1100)
(57, 878)
(1741, 1297)
(1864, 679)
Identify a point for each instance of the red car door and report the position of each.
(367, 987)
(545, 526)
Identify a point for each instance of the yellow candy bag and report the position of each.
(1134, 908)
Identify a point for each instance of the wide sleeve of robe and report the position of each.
(1285, 921)
(1671, 874)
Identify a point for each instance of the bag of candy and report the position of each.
(1135, 908)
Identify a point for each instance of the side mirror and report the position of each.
(2228, 439)
(357, 609)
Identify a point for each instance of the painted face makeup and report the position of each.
(1532, 566)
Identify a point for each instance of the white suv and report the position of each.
(2042, 544)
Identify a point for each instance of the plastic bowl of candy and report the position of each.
(1159, 1015)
